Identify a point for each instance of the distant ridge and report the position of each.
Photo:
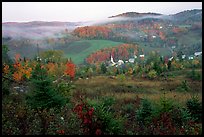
(135, 14)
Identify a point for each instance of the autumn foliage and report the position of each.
(123, 51)
(22, 69)
(70, 70)
(93, 32)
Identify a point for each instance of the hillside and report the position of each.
(150, 31)
(80, 50)
(135, 14)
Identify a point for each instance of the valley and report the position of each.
(129, 74)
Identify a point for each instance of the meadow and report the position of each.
(79, 50)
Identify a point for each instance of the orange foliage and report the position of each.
(70, 69)
(93, 31)
(51, 67)
(123, 51)
(21, 69)
(6, 69)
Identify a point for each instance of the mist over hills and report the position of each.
(148, 30)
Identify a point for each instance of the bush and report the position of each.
(195, 108)
(152, 74)
(105, 119)
(121, 77)
(166, 104)
(143, 114)
(183, 86)
(195, 75)
(5, 87)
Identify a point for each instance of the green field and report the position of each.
(147, 49)
(79, 50)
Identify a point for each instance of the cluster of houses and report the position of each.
(132, 60)
(121, 62)
(196, 54)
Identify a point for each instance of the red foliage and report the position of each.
(88, 123)
(123, 51)
(93, 31)
(98, 132)
(61, 132)
(70, 69)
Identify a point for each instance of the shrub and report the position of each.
(104, 118)
(103, 68)
(152, 74)
(121, 77)
(143, 114)
(166, 104)
(195, 108)
(195, 75)
(183, 86)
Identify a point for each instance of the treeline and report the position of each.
(121, 52)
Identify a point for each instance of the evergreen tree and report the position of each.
(103, 68)
(44, 96)
(5, 57)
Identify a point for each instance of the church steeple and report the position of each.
(112, 60)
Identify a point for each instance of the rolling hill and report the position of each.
(80, 50)
(150, 31)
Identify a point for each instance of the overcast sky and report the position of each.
(85, 11)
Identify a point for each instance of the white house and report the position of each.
(120, 62)
(142, 56)
(131, 60)
(153, 36)
(190, 57)
(173, 47)
(198, 53)
(183, 56)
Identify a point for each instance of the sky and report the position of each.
(85, 11)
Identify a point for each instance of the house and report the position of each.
(131, 60)
(190, 57)
(183, 56)
(135, 56)
(160, 27)
(153, 36)
(173, 47)
(120, 62)
(170, 59)
(198, 53)
(142, 56)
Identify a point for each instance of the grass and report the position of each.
(79, 50)
(190, 38)
(147, 49)
(99, 86)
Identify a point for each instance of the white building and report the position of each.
(198, 53)
(142, 56)
(190, 57)
(131, 60)
(173, 47)
(183, 56)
